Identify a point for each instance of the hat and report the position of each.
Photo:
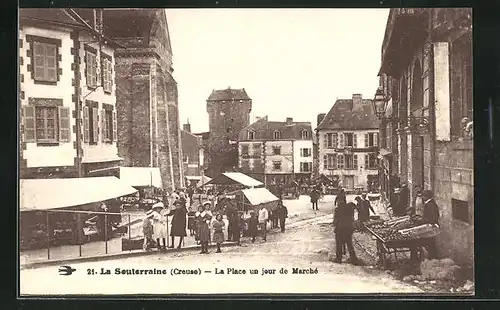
(158, 205)
(427, 194)
(149, 214)
(207, 203)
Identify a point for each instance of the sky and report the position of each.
(291, 62)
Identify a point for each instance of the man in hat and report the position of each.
(343, 219)
(431, 215)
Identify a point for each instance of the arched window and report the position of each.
(277, 135)
(305, 134)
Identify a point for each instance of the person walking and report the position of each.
(340, 198)
(147, 231)
(314, 198)
(343, 227)
(218, 226)
(282, 212)
(178, 228)
(159, 226)
(263, 218)
(204, 227)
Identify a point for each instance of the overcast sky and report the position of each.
(292, 63)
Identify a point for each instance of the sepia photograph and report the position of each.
(245, 151)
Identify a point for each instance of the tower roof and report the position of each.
(228, 94)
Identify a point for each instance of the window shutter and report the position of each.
(366, 141)
(367, 156)
(335, 140)
(334, 161)
(39, 60)
(103, 125)
(64, 125)
(95, 124)
(51, 59)
(355, 161)
(354, 140)
(29, 124)
(325, 162)
(94, 70)
(115, 127)
(325, 140)
(341, 140)
(88, 68)
(375, 139)
(86, 125)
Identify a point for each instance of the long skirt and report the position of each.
(218, 237)
(204, 232)
(160, 230)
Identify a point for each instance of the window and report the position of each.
(46, 124)
(371, 139)
(305, 135)
(186, 159)
(371, 161)
(107, 75)
(330, 140)
(245, 164)
(257, 149)
(244, 150)
(305, 152)
(91, 68)
(251, 135)
(329, 161)
(276, 150)
(460, 210)
(44, 62)
(91, 123)
(107, 125)
(351, 161)
(277, 165)
(350, 139)
(305, 167)
(277, 135)
(340, 161)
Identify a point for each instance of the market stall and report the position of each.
(400, 235)
(148, 182)
(230, 181)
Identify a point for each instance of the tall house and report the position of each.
(149, 133)
(348, 143)
(276, 152)
(192, 150)
(426, 74)
(229, 112)
(67, 95)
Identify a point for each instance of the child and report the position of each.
(218, 226)
(147, 230)
(191, 221)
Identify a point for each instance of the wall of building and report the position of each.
(297, 158)
(454, 179)
(62, 154)
(286, 157)
(255, 158)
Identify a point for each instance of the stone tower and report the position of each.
(229, 112)
(149, 132)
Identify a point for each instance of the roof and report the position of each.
(235, 178)
(257, 196)
(51, 15)
(45, 194)
(264, 130)
(228, 94)
(203, 181)
(141, 176)
(344, 116)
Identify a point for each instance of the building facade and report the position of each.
(348, 143)
(149, 133)
(229, 112)
(192, 150)
(276, 152)
(426, 75)
(67, 96)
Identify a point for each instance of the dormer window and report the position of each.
(251, 135)
(305, 135)
(277, 135)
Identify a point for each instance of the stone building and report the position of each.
(426, 134)
(229, 112)
(67, 96)
(348, 143)
(149, 133)
(192, 150)
(276, 152)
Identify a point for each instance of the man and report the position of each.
(282, 212)
(419, 202)
(229, 214)
(341, 198)
(343, 220)
(367, 206)
(404, 200)
(314, 198)
(263, 217)
(431, 215)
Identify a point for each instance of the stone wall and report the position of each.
(454, 179)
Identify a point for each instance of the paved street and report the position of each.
(303, 246)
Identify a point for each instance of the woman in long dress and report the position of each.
(159, 226)
(218, 226)
(204, 228)
(178, 222)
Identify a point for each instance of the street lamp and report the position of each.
(379, 103)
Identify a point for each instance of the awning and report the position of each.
(257, 196)
(204, 180)
(193, 177)
(235, 178)
(384, 152)
(44, 194)
(141, 176)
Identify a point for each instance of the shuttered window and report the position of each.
(340, 161)
(107, 73)
(115, 127)
(107, 122)
(95, 125)
(342, 140)
(29, 124)
(46, 124)
(355, 161)
(354, 140)
(64, 125)
(367, 161)
(367, 143)
(91, 66)
(375, 139)
(325, 162)
(45, 62)
(86, 125)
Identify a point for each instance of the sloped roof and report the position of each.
(264, 130)
(235, 178)
(50, 15)
(344, 116)
(228, 94)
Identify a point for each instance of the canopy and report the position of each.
(44, 194)
(235, 178)
(257, 196)
(204, 180)
(141, 176)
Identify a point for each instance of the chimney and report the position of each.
(357, 99)
(186, 127)
(289, 121)
(320, 118)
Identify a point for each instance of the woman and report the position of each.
(191, 221)
(178, 222)
(204, 229)
(159, 226)
(218, 226)
(198, 222)
(147, 230)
